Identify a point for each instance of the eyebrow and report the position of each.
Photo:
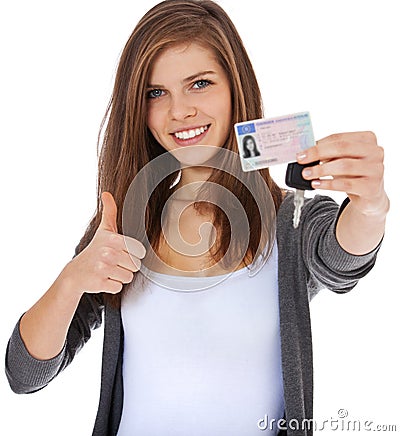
(188, 79)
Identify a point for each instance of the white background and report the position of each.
(337, 59)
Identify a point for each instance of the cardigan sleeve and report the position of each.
(327, 264)
(27, 374)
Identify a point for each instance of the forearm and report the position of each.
(359, 233)
(44, 327)
(352, 162)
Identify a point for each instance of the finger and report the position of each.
(350, 145)
(339, 168)
(125, 244)
(112, 287)
(362, 187)
(364, 137)
(111, 258)
(134, 247)
(350, 185)
(109, 214)
(129, 262)
(121, 275)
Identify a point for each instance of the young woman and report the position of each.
(231, 346)
(250, 147)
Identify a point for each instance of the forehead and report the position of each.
(183, 60)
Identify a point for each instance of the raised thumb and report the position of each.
(109, 215)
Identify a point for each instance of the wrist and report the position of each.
(66, 287)
(375, 209)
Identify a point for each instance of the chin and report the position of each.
(195, 155)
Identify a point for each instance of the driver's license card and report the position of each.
(273, 141)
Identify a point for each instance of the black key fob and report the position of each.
(294, 179)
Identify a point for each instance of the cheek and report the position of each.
(154, 121)
(150, 118)
(220, 109)
(225, 107)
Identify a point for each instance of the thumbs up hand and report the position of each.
(109, 260)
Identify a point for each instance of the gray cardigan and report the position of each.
(310, 259)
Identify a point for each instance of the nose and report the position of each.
(181, 107)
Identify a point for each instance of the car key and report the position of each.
(298, 205)
(294, 179)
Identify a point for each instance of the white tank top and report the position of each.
(202, 362)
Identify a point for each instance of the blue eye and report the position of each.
(200, 84)
(154, 93)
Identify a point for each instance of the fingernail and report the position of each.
(315, 183)
(301, 155)
(306, 173)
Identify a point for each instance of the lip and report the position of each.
(191, 141)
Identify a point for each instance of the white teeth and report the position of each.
(189, 134)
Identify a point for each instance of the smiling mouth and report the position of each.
(191, 133)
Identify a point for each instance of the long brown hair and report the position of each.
(127, 143)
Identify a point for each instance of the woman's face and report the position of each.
(250, 144)
(189, 100)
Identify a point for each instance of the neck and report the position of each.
(192, 178)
